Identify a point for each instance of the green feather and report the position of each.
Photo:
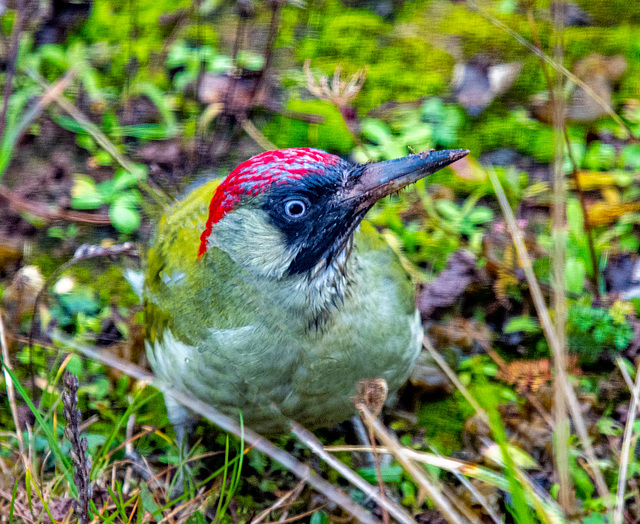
(240, 341)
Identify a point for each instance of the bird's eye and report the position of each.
(295, 208)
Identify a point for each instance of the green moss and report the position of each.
(332, 135)
(111, 28)
(402, 65)
(511, 129)
(611, 12)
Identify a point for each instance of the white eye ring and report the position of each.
(295, 208)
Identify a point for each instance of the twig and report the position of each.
(226, 423)
(416, 473)
(550, 334)
(298, 517)
(293, 494)
(626, 442)
(11, 394)
(84, 251)
(276, 6)
(306, 437)
(46, 212)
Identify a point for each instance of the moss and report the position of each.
(402, 65)
(332, 135)
(444, 421)
(111, 284)
(611, 12)
(511, 129)
(478, 35)
(111, 23)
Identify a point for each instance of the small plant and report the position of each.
(191, 61)
(593, 329)
(434, 125)
(120, 194)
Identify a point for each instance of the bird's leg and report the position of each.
(183, 421)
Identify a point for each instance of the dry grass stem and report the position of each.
(316, 446)
(293, 495)
(373, 393)
(550, 334)
(257, 136)
(559, 236)
(416, 473)
(618, 515)
(11, 393)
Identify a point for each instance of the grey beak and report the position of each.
(384, 178)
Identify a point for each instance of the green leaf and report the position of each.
(575, 275)
(123, 179)
(376, 131)
(480, 215)
(600, 156)
(124, 214)
(575, 217)
(388, 473)
(319, 517)
(85, 194)
(448, 209)
(524, 324)
(631, 156)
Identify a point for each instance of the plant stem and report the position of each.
(559, 237)
(551, 336)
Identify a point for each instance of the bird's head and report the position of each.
(293, 211)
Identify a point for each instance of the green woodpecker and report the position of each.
(266, 294)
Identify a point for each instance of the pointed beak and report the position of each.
(384, 178)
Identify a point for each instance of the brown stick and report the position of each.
(46, 212)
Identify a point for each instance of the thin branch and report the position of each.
(276, 7)
(48, 212)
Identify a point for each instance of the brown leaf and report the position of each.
(450, 284)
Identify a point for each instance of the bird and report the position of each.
(267, 295)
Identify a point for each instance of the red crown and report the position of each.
(256, 175)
